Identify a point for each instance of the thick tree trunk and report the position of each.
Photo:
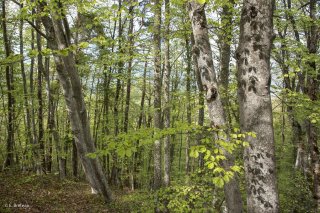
(9, 80)
(209, 81)
(253, 61)
(313, 93)
(166, 92)
(157, 93)
(70, 82)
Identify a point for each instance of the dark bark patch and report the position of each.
(246, 61)
(212, 94)
(257, 37)
(252, 84)
(257, 46)
(196, 50)
(246, 51)
(261, 55)
(252, 69)
(254, 25)
(253, 12)
(209, 63)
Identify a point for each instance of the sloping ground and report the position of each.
(46, 193)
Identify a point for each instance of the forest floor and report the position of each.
(46, 193)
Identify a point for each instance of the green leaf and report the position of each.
(92, 155)
(236, 168)
(218, 181)
(210, 165)
(201, 1)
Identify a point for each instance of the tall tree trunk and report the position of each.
(188, 91)
(50, 121)
(74, 159)
(225, 38)
(25, 93)
(313, 80)
(115, 179)
(9, 80)
(41, 152)
(71, 84)
(166, 92)
(157, 93)
(200, 96)
(209, 81)
(131, 43)
(253, 61)
(33, 122)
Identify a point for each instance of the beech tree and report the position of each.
(209, 82)
(157, 92)
(59, 39)
(253, 61)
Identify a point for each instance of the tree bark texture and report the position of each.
(9, 80)
(71, 85)
(254, 78)
(208, 78)
(157, 93)
(166, 91)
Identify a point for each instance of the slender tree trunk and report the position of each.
(157, 93)
(131, 44)
(74, 159)
(200, 97)
(115, 180)
(188, 91)
(166, 91)
(41, 152)
(9, 79)
(50, 121)
(25, 93)
(71, 84)
(253, 61)
(225, 39)
(209, 81)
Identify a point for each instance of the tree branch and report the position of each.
(29, 22)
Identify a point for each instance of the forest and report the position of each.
(160, 106)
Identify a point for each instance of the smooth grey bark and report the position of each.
(166, 92)
(72, 89)
(203, 52)
(157, 92)
(254, 78)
